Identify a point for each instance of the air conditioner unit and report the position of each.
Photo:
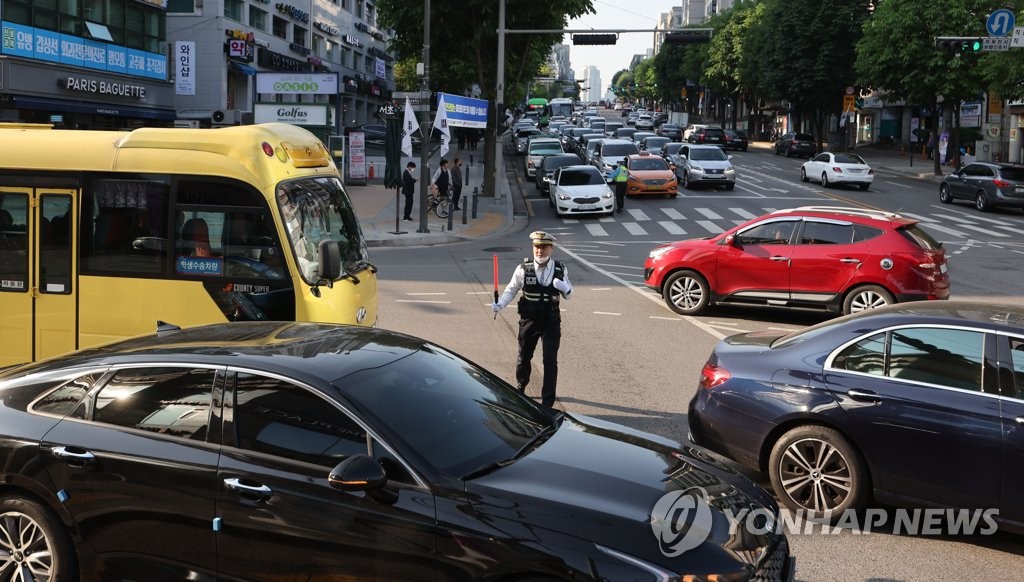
(225, 117)
(187, 123)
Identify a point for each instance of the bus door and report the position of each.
(38, 294)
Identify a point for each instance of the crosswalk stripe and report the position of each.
(671, 227)
(983, 229)
(708, 213)
(634, 228)
(637, 214)
(596, 230)
(673, 213)
(940, 228)
(918, 217)
(741, 212)
(1011, 229)
(959, 219)
(710, 226)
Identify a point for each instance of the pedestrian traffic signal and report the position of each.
(688, 36)
(959, 44)
(594, 38)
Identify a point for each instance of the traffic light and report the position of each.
(959, 44)
(688, 36)
(594, 38)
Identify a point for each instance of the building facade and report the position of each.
(592, 77)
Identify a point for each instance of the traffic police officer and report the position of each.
(544, 282)
(620, 176)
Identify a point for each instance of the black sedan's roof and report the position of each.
(301, 350)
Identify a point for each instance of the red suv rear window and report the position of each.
(919, 237)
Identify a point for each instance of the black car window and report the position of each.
(709, 154)
(281, 419)
(170, 401)
(822, 158)
(1015, 174)
(942, 356)
(68, 398)
(1017, 361)
(826, 233)
(919, 237)
(974, 170)
(850, 159)
(862, 232)
(580, 178)
(619, 150)
(803, 137)
(771, 233)
(714, 132)
(648, 164)
(440, 411)
(866, 356)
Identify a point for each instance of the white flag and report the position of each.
(409, 126)
(441, 124)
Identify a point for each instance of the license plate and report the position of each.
(714, 177)
(943, 268)
(588, 207)
(1019, 189)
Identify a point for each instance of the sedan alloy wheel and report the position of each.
(981, 202)
(33, 546)
(803, 175)
(944, 195)
(824, 179)
(814, 468)
(867, 297)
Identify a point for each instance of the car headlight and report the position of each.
(562, 196)
(657, 252)
(730, 171)
(607, 194)
(697, 169)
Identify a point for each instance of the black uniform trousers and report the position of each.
(530, 331)
(620, 195)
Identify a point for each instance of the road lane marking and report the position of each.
(710, 226)
(708, 213)
(634, 228)
(637, 214)
(671, 227)
(596, 230)
(900, 185)
(673, 214)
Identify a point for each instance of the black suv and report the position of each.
(798, 144)
(708, 136)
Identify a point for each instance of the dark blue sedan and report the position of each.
(913, 404)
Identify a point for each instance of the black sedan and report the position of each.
(915, 404)
(736, 139)
(272, 451)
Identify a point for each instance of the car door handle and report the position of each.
(850, 261)
(237, 486)
(778, 258)
(864, 395)
(64, 453)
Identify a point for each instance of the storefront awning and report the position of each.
(114, 109)
(243, 68)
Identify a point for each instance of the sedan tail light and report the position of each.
(837, 169)
(713, 375)
(1001, 183)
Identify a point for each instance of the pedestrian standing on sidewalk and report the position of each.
(456, 175)
(544, 283)
(441, 179)
(620, 176)
(931, 144)
(408, 189)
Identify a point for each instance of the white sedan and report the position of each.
(832, 168)
(581, 190)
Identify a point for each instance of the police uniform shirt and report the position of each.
(545, 275)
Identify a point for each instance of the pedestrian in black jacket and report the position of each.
(408, 189)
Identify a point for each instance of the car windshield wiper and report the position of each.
(541, 436)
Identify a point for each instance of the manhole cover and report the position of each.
(501, 249)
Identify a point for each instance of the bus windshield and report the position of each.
(316, 209)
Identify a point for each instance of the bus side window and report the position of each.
(124, 227)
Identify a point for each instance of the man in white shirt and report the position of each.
(544, 283)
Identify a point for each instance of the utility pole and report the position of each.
(499, 103)
(425, 122)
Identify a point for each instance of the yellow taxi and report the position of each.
(650, 174)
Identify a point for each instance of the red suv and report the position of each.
(827, 257)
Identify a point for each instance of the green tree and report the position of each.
(897, 54)
(464, 46)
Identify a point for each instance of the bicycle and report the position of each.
(440, 204)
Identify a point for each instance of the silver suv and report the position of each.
(610, 152)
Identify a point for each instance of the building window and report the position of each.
(371, 15)
(257, 18)
(95, 10)
(234, 9)
(280, 28)
(18, 11)
(70, 18)
(319, 46)
(359, 9)
(181, 6)
(299, 35)
(346, 5)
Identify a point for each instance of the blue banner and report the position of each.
(465, 111)
(46, 45)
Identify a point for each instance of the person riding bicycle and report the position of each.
(441, 180)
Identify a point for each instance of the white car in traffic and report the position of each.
(838, 168)
(579, 190)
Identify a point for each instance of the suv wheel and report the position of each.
(981, 202)
(865, 298)
(944, 196)
(686, 292)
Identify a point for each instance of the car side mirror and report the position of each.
(732, 241)
(357, 473)
(330, 260)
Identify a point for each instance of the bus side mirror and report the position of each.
(330, 260)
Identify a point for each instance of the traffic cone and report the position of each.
(371, 171)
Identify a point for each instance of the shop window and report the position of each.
(257, 18)
(234, 9)
(280, 28)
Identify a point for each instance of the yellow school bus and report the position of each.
(104, 234)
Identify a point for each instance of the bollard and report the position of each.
(451, 216)
(470, 160)
(476, 192)
(467, 176)
(462, 207)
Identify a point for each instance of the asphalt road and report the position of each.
(626, 358)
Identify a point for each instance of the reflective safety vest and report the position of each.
(621, 174)
(539, 301)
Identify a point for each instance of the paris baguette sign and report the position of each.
(294, 113)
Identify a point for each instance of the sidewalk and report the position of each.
(378, 207)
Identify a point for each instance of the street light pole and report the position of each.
(425, 122)
(499, 96)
